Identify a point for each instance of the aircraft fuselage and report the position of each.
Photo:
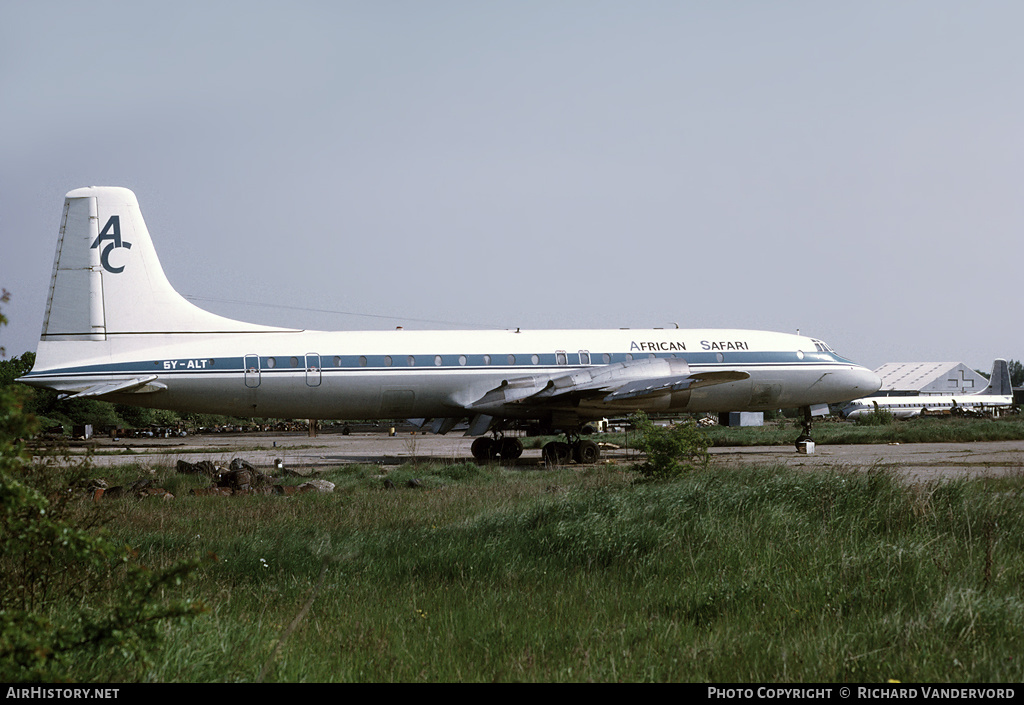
(115, 328)
(366, 375)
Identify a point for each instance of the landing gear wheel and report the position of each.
(556, 453)
(510, 448)
(484, 449)
(586, 452)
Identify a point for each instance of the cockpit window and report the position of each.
(821, 346)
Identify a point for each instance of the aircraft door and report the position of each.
(252, 371)
(313, 369)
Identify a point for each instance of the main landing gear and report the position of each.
(584, 452)
(498, 447)
(492, 448)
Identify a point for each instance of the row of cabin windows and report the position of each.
(561, 358)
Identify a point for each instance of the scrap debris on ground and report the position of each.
(239, 478)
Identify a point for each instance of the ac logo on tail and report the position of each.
(111, 231)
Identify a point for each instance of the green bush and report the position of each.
(670, 450)
(878, 417)
(68, 591)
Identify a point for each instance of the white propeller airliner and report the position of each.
(995, 398)
(116, 329)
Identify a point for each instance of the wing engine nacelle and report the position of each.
(607, 384)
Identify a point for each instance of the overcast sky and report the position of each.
(852, 170)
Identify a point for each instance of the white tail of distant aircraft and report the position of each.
(995, 398)
(115, 328)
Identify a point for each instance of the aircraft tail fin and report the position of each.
(999, 382)
(107, 280)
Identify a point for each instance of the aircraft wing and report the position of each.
(645, 388)
(128, 385)
(625, 380)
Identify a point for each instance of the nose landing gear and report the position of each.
(805, 437)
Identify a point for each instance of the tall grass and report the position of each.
(835, 432)
(919, 430)
(489, 574)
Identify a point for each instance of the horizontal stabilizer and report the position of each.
(128, 385)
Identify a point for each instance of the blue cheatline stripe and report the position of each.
(521, 362)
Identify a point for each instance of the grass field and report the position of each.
(489, 574)
(835, 432)
(920, 430)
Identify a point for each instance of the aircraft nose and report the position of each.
(863, 381)
(852, 383)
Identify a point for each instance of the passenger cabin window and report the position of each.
(561, 358)
(584, 357)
